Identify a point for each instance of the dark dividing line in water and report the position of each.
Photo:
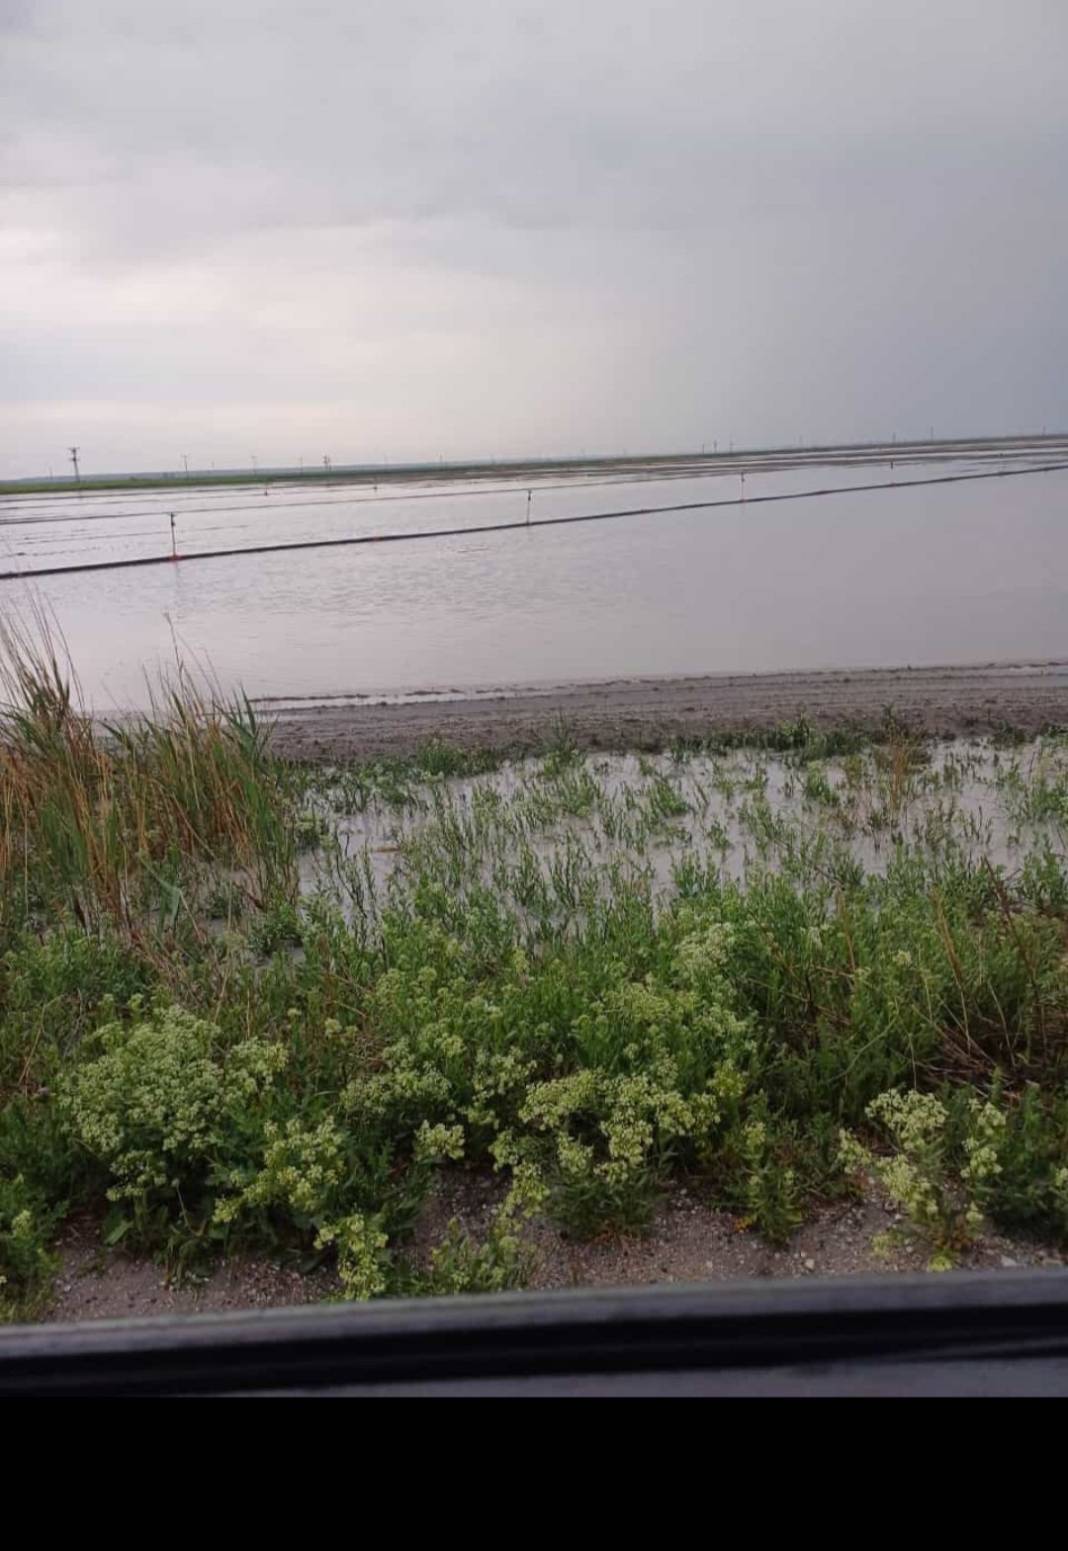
(505, 527)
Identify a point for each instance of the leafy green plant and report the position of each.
(167, 1114)
(771, 1192)
(463, 1264)
(276, 927)
(1029, 1188)
(361, 1248)
(607, 1141)
(940, 1202)
(26, 1263)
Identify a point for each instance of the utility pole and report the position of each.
(185, 460)
(174, 540)
(74, 460)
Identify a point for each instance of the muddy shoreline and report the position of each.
(641, 713)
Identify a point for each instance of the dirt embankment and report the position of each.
(954, 701)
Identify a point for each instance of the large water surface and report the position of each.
(956, 573)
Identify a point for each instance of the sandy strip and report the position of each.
(638, 713)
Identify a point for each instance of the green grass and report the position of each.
(250, 1005)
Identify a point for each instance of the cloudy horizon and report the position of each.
(241, 229)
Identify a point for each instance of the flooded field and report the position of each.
(962, 573)
(549, 838)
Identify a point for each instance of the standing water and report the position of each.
(939, 574)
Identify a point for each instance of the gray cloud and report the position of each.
(485, 227)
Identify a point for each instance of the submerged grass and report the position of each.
(593, 977)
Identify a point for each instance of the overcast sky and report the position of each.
(406, 228)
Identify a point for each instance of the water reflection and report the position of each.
(942, 574)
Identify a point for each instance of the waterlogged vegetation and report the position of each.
(248, 1006)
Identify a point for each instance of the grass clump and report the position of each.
(106, 825)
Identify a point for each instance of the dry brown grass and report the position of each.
(99, 819)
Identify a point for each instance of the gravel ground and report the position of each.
(96, 1283)
(691, 1242)
(687, 1242)
(634, 713)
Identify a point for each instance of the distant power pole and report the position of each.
(185, 460)
(74, 460)
(326, 460)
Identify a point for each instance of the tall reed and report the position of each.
(106, 821)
